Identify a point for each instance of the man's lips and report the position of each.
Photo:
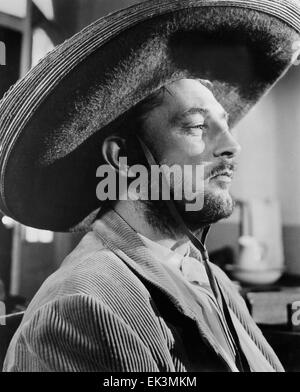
(226, 174)
(223, 172)
(224, 179)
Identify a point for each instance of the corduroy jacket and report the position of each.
(111, 306)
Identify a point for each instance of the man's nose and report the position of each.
(227, 146)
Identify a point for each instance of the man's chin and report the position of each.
(216, 206)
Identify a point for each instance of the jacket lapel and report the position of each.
(238, 306)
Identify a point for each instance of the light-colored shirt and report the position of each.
(193, 274)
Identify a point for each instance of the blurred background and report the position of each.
(259, 245)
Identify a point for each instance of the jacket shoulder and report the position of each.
(91, 270)
(78, 333)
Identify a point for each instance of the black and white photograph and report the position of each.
(149, 189)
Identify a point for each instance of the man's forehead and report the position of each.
(187, 96)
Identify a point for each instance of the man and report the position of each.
(185, 117)
(138, 292)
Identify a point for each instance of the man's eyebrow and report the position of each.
(178, 117)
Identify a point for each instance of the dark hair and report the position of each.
(135, 117)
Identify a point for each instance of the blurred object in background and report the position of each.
(271, 307)
(260, 259)
(267, 229)
(270, 310)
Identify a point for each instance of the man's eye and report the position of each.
(194, 130)
(199, 126)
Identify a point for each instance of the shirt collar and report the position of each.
(173, 254)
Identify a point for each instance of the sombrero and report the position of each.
(53, 120)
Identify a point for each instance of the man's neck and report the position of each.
(136, 213)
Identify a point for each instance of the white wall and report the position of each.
(257, 172)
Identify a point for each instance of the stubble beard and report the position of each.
(215, 208)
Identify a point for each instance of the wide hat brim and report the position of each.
(54, 119)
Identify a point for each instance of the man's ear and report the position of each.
(113, 148)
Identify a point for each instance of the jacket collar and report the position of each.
(125, 242)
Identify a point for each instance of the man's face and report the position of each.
(190, 127)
